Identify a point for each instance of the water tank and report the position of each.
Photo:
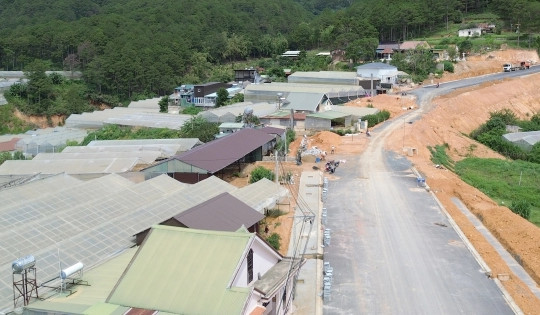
(23, 263)
(248, 111)
(71, 270)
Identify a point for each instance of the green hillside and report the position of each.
(130, 49)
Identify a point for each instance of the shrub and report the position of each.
(259, 173)
(448, 66)
(377, 118)
(274, 240)
(274, 213)
(521, 207)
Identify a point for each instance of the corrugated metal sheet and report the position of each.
(69, 166)
(169, 276)
(264, 194)
(329, 114)
(220, 153)
(221, 213)
(303, 101)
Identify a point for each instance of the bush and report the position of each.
(274, 213)
(191, 110)
(274, 240)
(377, 118)
(521, 207)
(259, 173)
(448, 66)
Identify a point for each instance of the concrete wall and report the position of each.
(313, 123)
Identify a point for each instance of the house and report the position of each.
(291, 54)
(196, 94)
(324, 77)
(283, 118)
(384, 72)
(189, 271)
(486, 27)
(470, 32)
(250, 75)
(385, 51)
(412, 45)
(184, 271)
(220, 213)
(214, 157)
(9, 145)
(306, 97)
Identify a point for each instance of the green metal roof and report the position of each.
(87, 299)
(185, 271)
(329, 114)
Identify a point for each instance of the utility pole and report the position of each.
(517, 31)
(276, 177)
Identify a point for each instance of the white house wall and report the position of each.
(264, 258)
(385, 75)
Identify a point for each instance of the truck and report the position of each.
(507, 67)
(524, 65)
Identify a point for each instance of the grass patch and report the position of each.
(274, 213)
(506, 182)
(439, 156)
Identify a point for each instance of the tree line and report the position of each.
(135, 48)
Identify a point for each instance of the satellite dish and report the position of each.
(248, 111)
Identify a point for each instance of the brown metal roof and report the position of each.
(221, 213)
(8, 145)
(139, 311)
(222, 152)
(273, 130)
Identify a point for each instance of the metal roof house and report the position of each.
(208, 272)
(244, 146)
(305, 97)
(384, 72)
(220, 213)
(324, 77)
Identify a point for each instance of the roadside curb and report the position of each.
(508, 298)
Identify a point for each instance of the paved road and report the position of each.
(393, 250)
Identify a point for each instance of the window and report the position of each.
(250, 266)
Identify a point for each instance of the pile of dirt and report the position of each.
(324, 140)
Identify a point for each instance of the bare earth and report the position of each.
(454, 115)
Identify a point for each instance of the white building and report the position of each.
(377, 70)
(469, 32)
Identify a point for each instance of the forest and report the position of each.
(130, 49)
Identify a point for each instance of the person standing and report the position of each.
(332, 150)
